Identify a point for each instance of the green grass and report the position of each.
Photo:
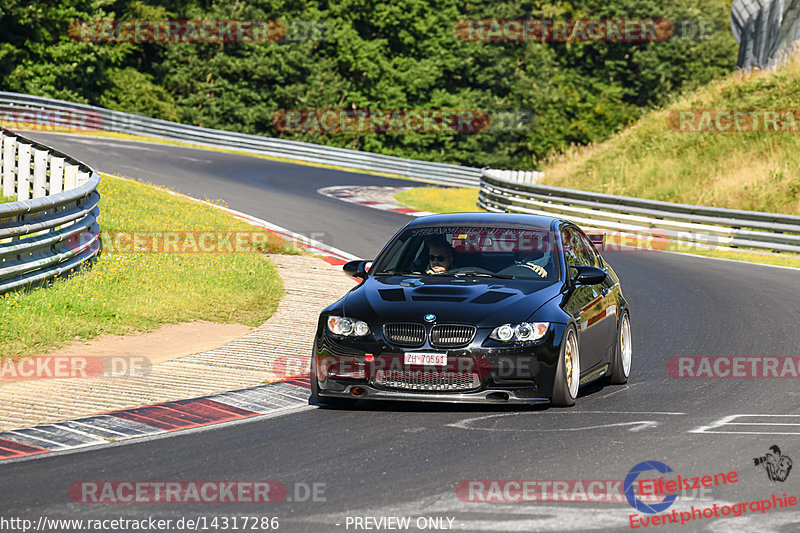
(6, 199)
(441, 199)
(128, 292)
(752, 171)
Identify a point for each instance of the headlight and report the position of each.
(525, 331)
(348, 327)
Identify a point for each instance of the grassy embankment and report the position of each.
(751, 170)
(757, 171)
(128, 292)
(440, 199)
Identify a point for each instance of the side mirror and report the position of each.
(588, 275)
(356, 269)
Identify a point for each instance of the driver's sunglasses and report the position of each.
(439, 258)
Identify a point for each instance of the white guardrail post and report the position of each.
(9, 161)
(51, 228)
(707, 227)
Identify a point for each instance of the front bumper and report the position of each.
(375, 370)
(485, 396)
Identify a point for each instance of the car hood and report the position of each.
(480, 301)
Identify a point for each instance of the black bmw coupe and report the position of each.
(492, 308)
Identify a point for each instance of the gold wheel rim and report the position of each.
(626, 346)
(572, 365)
(568, 363)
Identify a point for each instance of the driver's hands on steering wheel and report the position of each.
(536, 268)
(438, 269)
(540, 270)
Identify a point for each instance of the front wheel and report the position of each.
(568, 371)
(621, 365)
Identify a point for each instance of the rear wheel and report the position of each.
(315, 395)
(568, 371)
(621, 365)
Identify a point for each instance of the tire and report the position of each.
(315, 397)
(324, 400)
(568, 371)
(620, 367)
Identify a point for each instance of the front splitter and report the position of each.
(493, 396)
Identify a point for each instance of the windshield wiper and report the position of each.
(482, 275)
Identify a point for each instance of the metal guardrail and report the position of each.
(36, 110)
(689, 224)
(52, 227)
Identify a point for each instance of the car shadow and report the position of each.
(442, 407)
(398, 406)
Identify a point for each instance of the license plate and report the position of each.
(427, 359)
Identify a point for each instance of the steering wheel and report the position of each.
(470, 269)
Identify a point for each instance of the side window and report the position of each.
(577, 248)
(416, 258)
(589, 252)
(571, 243)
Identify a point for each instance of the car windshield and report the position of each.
(472, 251)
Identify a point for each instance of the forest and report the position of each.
(527, 91)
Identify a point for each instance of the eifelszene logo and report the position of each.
(630, 485)
(777, 465)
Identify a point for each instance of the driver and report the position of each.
(440, 256)
(536, 261)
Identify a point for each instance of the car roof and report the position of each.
(486, 219)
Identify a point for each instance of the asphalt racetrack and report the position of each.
(383, 460)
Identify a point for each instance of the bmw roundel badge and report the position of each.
(430, 317)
